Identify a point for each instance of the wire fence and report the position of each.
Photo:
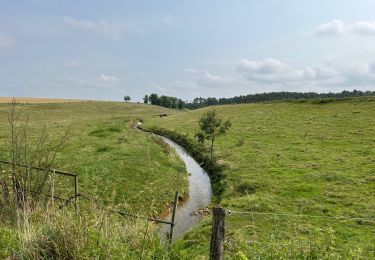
(63, 186)
(270, 234)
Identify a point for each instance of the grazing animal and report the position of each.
(162, 115)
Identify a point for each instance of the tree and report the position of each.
(211, 126)
(180, 104)
(154, 99)
(127, 98)
(145, 99)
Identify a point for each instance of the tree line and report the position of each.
(164, 101)
(199, 102)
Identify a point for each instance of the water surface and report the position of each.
(199, 195)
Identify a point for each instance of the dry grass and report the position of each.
(38, 100)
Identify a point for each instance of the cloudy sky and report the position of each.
(96, 49)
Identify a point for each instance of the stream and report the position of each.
(190, 211)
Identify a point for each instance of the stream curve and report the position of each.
(190, 211)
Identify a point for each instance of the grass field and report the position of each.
(292, 168)
(310, 158)
(116, 164)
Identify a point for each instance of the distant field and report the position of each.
(290, 159)
(116, 164)
(38, 100)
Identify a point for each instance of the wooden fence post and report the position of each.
(218, 232)
(173, 216)
(75, 192)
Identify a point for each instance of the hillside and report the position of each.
(288, 159)
(116, 164)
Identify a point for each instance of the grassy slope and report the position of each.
(294, 158)
(115, 162)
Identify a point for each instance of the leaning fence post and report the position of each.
(75, 191)
(218, 232)
(173, 216)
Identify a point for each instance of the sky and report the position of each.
(91, 49)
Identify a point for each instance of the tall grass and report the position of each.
(92, 233)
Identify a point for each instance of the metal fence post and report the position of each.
(218, 232)
(173, 216)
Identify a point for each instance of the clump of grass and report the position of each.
(8, 242)
(247, 187)
(103, 132)
(103, 149)
(241, 142)
(165, 147)
(114, 129)
(50, 233)
(98, 133)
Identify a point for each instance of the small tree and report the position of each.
(145, 99)
(127, 98)
(211, 126)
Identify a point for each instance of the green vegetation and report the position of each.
(116, 164)
(199, 102)
(49, 233)
(164, 101)
(211, 127)
(298, 160)
(286, 170)
(201, 155)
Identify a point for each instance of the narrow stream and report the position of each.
(189, 212)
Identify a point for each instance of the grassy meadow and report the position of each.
(117, 165)
(293, 158)
(292, 168)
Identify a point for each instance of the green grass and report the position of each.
(311, 158)
(117, 165)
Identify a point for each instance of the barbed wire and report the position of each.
(231, 212)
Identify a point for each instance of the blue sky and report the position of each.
(107, 49)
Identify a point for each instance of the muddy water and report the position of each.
(200, 193)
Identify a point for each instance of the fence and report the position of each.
(279, 243)
(62, 194)
(56, 180)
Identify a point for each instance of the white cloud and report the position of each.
(364, 27)
(101, 82)
(108, 79)
(338, 27)
(334, 27)
(267, 66)
(338, 74)
(5, 40)
(101, 27)
(205, 78)
(272, 71)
